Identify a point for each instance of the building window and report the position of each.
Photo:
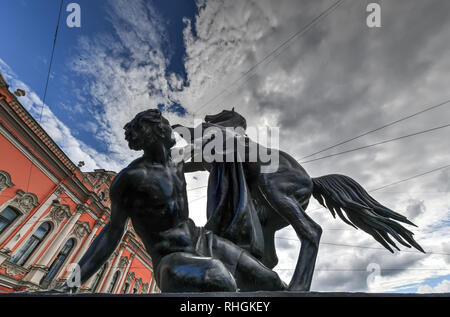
(98, 277)
(134, 290)
(125, 288)
(59, 261)
(113, 282)
(7, 216)
(31, 244)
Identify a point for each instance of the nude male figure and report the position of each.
(151, 191)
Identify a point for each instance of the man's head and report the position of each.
(148, 128)
(228, 119)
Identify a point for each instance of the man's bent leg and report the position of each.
(183, 272)
(252, 275)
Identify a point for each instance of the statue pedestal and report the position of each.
(230, 296)
(218, 304)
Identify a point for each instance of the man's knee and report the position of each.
(217, 276)
(252, 275)
(183, 272)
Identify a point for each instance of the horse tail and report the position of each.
(337, 192)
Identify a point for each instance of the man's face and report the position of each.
(168, 134)
(129, 136)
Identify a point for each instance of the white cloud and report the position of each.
(58, 131)
(442, 287)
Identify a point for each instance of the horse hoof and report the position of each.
(298, 288)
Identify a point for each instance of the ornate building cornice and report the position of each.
(3, 83)
(25, 130)
(81, 208)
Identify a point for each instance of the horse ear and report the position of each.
(232, 110)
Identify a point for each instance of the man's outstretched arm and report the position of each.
(103, 246)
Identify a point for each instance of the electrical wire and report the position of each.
(446, 102)
(377, 143)
(280, 47)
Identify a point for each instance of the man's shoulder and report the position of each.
(128, 176)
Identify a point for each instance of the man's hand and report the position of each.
(66, 289)
(176, 126)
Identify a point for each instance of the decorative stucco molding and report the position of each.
(123, 262)
(13, 269)
(5, 180)
(130, 277)
(81, 208)
(81, 229)
(59, 212)
(138, 283)
(60, 190)
(24, 202)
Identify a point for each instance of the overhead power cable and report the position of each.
(365, 270)
(48, 78)
(378, 188)
(365, 247)
(446, 102)
(378, 143)
(51, 59)
(412, 177)
(279, 48)
(189, 189)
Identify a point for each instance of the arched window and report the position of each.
(59, 261)
(113, 282)
(125, 288)
(31, 244)
(134, 290)
(98, 277)
(7, 216)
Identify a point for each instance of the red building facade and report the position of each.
(51, 211)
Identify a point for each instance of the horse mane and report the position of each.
(228, 118)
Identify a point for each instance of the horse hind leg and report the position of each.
(309, 233)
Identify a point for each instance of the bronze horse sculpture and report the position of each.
(281, 198)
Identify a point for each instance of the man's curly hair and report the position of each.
(146, 128)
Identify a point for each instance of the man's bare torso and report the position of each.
(154, 197)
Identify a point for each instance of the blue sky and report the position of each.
(338, 80)
(29, 49)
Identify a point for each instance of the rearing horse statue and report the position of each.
(280, 199)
